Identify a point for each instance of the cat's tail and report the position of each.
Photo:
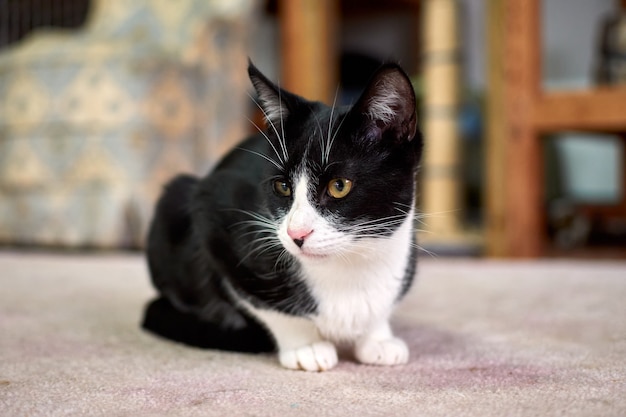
(165, 320)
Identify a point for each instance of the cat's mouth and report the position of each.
(307, 254)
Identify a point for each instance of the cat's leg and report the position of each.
(380, 347)
(300, 345)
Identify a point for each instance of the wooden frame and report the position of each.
(519, 114)
(309, 53)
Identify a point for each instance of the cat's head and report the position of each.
(341, 176)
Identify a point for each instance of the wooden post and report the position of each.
(495, 220)
(441, 190)
(622, 203)
(309, 61)
(524, 208)
(495, 144)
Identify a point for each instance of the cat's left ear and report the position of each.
(388, 105)
(274, 101)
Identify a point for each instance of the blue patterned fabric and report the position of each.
(93, 122)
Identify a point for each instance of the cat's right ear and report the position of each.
(273, 100)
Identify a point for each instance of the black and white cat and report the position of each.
(302, 239)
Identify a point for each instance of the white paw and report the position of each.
(319, 356)
(382, 352)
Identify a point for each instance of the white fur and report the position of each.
(272, 106)
(379, 347)
(356, 283)
(300, 345)
(383, 106)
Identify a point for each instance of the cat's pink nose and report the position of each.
(298, 235)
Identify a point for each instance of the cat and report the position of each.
(302, 239)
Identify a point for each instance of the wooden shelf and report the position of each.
(601, 109)
(519, 114)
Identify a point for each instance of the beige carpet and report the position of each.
(486, 338)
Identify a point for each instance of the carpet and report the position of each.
(487, 338)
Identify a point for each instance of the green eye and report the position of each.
(339, 187)
(282, 188)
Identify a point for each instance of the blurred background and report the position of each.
(522, 103)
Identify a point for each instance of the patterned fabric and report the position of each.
(93, 123)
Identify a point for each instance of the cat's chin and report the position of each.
(305, 255)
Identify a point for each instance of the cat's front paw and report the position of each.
(318, 356)
(382, 352)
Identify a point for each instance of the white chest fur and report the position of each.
(357, 293)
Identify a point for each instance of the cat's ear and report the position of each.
(273, 100)
(388, 105)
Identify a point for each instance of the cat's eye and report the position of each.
(339, 187)
(282, 188)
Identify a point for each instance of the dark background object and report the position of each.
(18, 18)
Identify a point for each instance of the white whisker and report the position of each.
(266, 240)
(267, 158)
(332, 140)
(267, 118)
(321, 135)
(282, 162)
(273, 126)
(326, 152)
(283, 143)
(423, 249)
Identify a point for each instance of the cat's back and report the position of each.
(234, 182)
